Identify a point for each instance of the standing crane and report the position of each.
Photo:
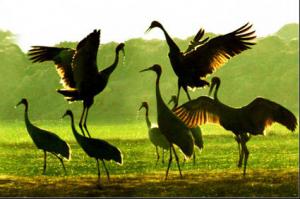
(203, 57)
(96, 148)
(170, 125)
(196, 132)
(252, 118)
(78, 70)
(155, 136)
(45, 140)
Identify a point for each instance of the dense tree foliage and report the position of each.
(270, 69)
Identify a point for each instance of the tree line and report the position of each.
(270, 69)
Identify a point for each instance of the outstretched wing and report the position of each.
(62, 58)
(85, 59)
(213, 54)
(264, 112)
(197, 112)
(196, 41)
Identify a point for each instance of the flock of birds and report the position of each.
(178, 125)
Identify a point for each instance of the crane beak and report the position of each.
(18, 104)
(141, 107)
(148, 30)
(64, 115)
(147, 69)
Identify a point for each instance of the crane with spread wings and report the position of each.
(251, 119)
(78, 70)
(204, 56)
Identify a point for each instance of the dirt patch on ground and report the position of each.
(268, 183)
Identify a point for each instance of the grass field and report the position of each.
(273, 165)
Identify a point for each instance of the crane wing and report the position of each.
(85, 59)
(196, 41)
(49, 141)
(62, 57)
(264, 112)
(198, 111)
(213, 54)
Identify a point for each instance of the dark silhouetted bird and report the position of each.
(96, 148)
(78, 70)
(170, 125)
(196, 132)
(46, 141)
(252, 118)
(203, 57)
(155, 136)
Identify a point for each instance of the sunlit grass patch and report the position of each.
(272, 165)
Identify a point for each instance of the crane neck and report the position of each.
(113, 66)
(147, 117)
(216, 91)
(157, 82)
(26, 109)
(27, 121)
(172, 45)
(26, 115)
(161, 106)
(76, 134)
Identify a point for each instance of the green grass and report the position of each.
(272, 165)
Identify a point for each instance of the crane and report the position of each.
(78, 70)
(45, 140)
(251, 119)
(96, 148)
(203, 57)
(155, 136)
(196, 132)
(170, 125)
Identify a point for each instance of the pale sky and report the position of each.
(48, 22)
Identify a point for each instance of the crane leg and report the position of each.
(170, 161)
(194, 158)
(201, 140)
(99, 179)
(163, 154)
(177, 161)
(80, 121)
(240, 156)
(85, 119)
(246, 152)
(61, 161)
(187, 93)
(241, 153)
(157, 155)
(178, 93)
(45, 157)
(107, 173)
(239, 148)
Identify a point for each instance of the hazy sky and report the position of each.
(47, 22)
